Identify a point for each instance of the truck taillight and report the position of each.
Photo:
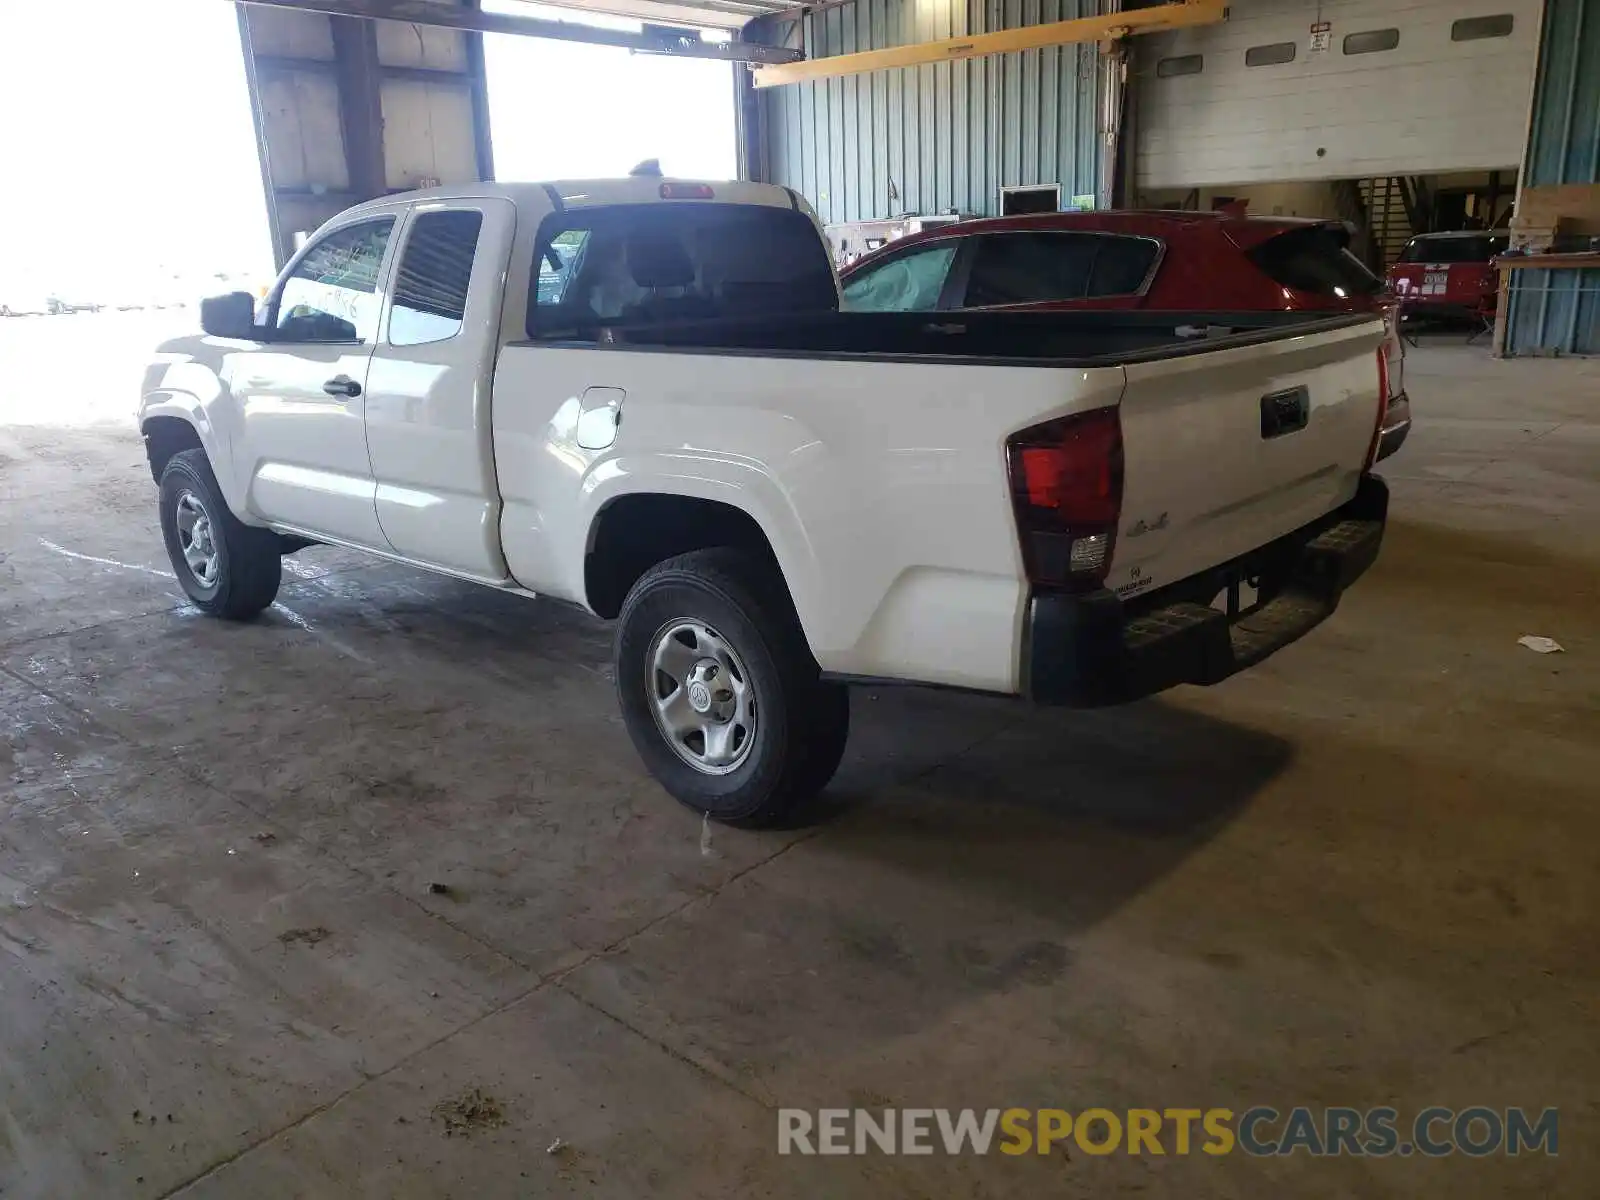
(1066, 485)
(1392, 366)
(1384, 396)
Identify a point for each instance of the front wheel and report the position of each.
(229, 569)
(720, 693)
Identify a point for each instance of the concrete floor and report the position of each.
(1365, 873)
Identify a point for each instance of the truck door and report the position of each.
(302, 388)
(428, 387)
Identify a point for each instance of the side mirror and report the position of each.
(230, 316)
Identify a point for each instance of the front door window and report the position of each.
(332, 294)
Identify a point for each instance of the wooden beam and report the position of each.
(1057, 33)
(431, 12)
(478, 73)
(355, 49)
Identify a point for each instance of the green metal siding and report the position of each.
(1554, 312)
(1565, 141)
(947, 135)
(1558, 312)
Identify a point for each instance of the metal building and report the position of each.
(943, 136)
(1557, 309)
(1398, 120)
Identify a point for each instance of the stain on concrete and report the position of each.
(306, 937)
(473, 1111)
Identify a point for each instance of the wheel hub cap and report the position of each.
(197, 539)
(700, 693)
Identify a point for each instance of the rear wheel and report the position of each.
(228, 568)
(720, 693)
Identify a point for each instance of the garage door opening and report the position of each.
(565, 110)
(132, 189)
(1384, 213)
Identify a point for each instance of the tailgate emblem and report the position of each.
(1142, 527)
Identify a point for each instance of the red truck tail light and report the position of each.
(1384, 397)
(1394, 354)
(1066, 485)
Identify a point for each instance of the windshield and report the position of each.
(1467, 248)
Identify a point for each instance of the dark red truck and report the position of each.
(1154, 260)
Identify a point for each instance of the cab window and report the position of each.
(632, 266)
(555, 265)
(431, 283)
(331, 295)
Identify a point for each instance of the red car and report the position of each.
(1158, 261)
(1448, 275)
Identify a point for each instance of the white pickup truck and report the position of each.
(640, 396)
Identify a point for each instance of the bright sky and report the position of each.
(128, 148)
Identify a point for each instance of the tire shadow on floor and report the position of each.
(1053, 809)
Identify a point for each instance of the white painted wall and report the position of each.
(1427, 106)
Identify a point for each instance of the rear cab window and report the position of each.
(628, 265)
(1316, 260)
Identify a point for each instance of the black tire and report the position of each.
(801, 722)
(247, 569)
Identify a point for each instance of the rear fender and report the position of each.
(740, 484)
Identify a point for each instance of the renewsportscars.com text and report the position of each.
(1260, 1131)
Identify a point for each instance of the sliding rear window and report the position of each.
(632, 266)
(1315, 260)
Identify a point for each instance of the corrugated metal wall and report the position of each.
(947, 135)
(1554, 312)
(1558, 312)
(1565, 142)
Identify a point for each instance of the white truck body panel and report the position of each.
(879, 481)
(895, 533)
(1202, 485)
(428, 412)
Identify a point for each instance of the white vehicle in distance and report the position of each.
(640, 396)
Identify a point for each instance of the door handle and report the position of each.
(1285, 412)
(342, 385)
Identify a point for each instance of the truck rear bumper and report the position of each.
(1396, 427)
(1096, 649)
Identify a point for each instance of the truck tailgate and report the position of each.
(1230, 448)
